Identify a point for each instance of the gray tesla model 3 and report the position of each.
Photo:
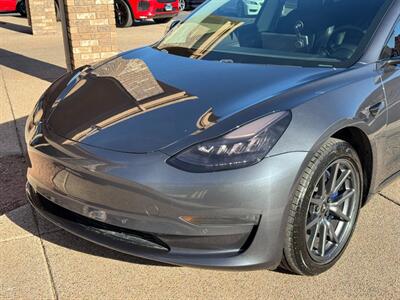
(235, 141)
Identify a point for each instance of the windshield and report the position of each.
(325, 33)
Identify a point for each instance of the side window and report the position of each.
(392, 48)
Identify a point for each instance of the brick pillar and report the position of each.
(91, 30)
(42, 16)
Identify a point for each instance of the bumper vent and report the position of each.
(113, 232)
(143, 5)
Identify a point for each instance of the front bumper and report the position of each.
(135, 203)
(156, 10)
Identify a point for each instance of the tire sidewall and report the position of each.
(57, 9)
(21, 8)
(130, 20)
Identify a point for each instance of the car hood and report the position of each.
(145, 100)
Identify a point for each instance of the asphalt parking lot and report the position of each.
(40, 261)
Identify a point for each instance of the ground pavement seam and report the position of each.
(388, 199)
(12, 110)
(49, 270)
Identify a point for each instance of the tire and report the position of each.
(123, 14)
(318, 222)
(162, 20)
(21, 8)
(57, 9)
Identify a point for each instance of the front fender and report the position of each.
(315, 121)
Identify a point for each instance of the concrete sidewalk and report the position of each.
(40, 261)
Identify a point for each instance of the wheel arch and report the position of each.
(361, 143)
(358, 136)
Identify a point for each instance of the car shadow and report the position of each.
(31, 66)
(139, 23)
(15, 27)
(144, 23)
(65, 239)
(57, 236)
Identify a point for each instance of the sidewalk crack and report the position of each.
(389, 199)
(49, 270)
(12, 112)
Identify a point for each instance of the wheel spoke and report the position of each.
(331, 231)
(313, 223)
(323, 192)
(332, 180)
(341, 180)
(338, 214)
(317, 201)
(343, 198)
(313, 236)
(322, 239)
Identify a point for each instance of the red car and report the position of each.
(13, 6)
(128, 11)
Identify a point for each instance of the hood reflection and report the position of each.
(147, 100)
(133, 75)
(110, 94)
(207, 120)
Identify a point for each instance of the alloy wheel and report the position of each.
(332, 211)
(23, 8)
(121, 13)
(182, 5)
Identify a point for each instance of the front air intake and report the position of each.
(143, 5)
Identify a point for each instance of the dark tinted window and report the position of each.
(331, 33)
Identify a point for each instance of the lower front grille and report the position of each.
(163, 10)
(166, 1)
(126, 235)
(143, 5)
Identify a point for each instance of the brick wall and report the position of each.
(42, 16)
(91, 30)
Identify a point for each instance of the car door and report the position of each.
(391, 81)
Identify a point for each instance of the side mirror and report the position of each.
(172, 25)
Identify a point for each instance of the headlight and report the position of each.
(240, 148)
